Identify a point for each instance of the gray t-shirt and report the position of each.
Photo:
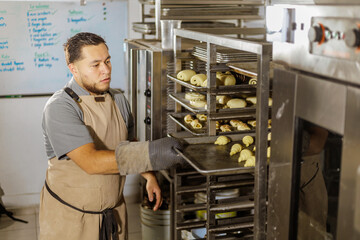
(63, 126)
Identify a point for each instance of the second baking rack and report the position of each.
(219, 114)
(234, 89)
(178, 118)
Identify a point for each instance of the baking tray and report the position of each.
(210, 159)
(186, 84)
(147, 1)
(250, 68)
(178, 118)
(207, 24)
(224, 55)
(234, 89)
(229, 112)
(212, 2)
(180, 98)
(209, 11)
(146, 28)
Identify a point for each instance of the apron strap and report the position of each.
(108, 230)
(72, 94)
(10, 214)
(76, 97)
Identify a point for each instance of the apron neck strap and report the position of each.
(72, 94)
(76, 97)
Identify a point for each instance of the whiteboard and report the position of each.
(32, 35)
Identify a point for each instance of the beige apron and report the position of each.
(81, 190)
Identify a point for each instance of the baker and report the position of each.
(87, 128)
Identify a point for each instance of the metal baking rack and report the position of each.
(221, 17)
(262, 51)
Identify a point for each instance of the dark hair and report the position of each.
(74, 45)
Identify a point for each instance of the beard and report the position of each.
(95, 89)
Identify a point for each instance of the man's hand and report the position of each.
(162, 154)
(152, 187)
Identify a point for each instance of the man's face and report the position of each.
(93, 70)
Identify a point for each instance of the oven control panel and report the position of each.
(335, 37)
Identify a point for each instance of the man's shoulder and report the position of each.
(117, 94)
(60, 99)
(116, 91)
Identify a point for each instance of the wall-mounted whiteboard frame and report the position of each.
(32, 34)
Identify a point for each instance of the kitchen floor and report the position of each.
(11, 230)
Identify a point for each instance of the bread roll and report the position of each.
(235, 149)
(204, 84)
(194, 96)
(245, 154)
(248, 140)
(201, 117)
(234, 122)
(185, 75)
(196, 124)
(198, 103)
(198, 79)
(219, 75)
(251, 100)
(218, 83)
(188, 118)
(222, 99)
(250, 162)
(242, 126)
(236, 103)
(253, 81)
(229, 80)
(270, 102)
(252, 123)
(225, 128)
(222, 140)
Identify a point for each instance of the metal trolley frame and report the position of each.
(263, 52)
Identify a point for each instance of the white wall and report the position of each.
(23, 161)
(22, 155)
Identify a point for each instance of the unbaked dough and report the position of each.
(236, 103)
(198, 79)
(185, 75)
(194, 96)
(198, 103)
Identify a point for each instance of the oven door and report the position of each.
(314, 169)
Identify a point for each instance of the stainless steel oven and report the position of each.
(146, 65)
(314, 172)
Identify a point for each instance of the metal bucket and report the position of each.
(155, 225)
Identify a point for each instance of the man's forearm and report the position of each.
(94, 161)
(148, 175)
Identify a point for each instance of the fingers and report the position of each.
(150, 195)
(158, 200)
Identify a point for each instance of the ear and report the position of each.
(73, 69)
